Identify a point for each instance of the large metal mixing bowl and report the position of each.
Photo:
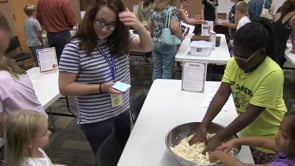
(174, 137)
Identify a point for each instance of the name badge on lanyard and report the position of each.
(110, 61)
(116, 98)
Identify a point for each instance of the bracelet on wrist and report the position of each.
(100, 88)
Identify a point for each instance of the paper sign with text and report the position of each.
(194, 76)
(47, 59)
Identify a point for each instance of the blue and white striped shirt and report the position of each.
(95, 69)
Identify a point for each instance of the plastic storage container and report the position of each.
(200, 48)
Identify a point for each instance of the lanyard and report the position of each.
(110, 62)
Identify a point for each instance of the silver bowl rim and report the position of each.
(188, 161)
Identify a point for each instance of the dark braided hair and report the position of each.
(254, 36)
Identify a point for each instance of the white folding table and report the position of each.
(220, 55)
(165, 107)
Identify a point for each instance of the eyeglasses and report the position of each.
(246, 60)
(101, 23)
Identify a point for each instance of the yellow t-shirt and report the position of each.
(262, 87)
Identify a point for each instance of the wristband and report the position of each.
(100, 88)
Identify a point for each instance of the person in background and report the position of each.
(283, 27)
(255, 8)
(33, 32)
(143, 14)
(186, 18)
(58, 18)
(94, 60)
(16, 88)
(259, 103)
(283, 144)
(144, 11)
(184, 15)
(164, 54)
(241, 14)
(231, 22)
(209, 10)
(26, 133)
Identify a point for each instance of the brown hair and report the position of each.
(7, 64)
(287, 6)
(162, 4)
(118, 41)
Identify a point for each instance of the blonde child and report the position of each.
(33, 31)
(241, 14)
(283, 144)
(16, 88)
(26, 134)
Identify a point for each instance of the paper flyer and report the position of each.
(47, 59)
(194, 76)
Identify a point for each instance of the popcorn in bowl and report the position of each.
(177, 144)
(194, 152)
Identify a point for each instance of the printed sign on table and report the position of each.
(194, 76)
(47, 59)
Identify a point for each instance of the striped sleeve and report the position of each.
(70, 59)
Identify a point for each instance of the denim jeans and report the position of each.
(163, 61)
(34, 53)
(97, 132)
(58, 40)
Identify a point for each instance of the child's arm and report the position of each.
(227, 160)
(252, 141)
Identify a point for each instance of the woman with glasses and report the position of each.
(255, 82)
(94, 60)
